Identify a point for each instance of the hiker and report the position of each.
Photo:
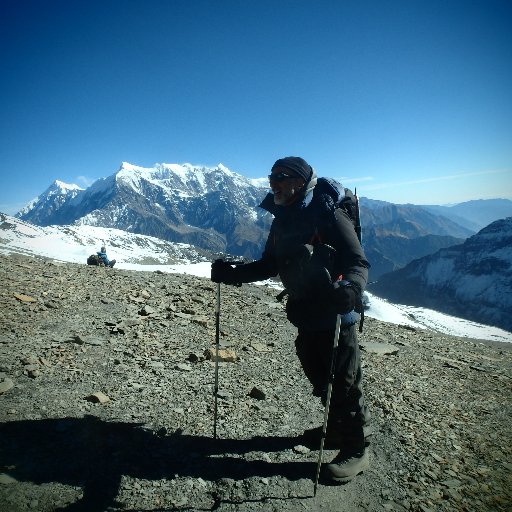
(315, 299)
(103, 255)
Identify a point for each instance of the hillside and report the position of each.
(441, 405)
(472, 280)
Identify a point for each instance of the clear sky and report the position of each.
(408, 100)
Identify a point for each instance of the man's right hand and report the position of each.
(223, 272)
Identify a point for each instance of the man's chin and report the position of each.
(279, 199)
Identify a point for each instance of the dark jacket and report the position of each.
(311, 219)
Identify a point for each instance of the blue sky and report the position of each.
(409, 101)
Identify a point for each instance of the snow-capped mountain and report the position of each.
(49, 202)
(216, 209)
(211, 208)
(472, 280)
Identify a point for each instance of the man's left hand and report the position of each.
(345, 297)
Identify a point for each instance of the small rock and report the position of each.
(98, 397)
(179, 502)
(30, 360)
(260, 347)
(301, 449)
(451, 482)
(6, 384)
(224, 395)
(93, 340)
(24, 298)
(257, 393)
(195, 357)
(129, 322)
(147, 311)
(379, 348)
(200, 320)
(225, 355)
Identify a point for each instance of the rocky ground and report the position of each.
(106, 403)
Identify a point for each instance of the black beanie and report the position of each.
(297, 165)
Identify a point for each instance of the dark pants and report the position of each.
(347, 413)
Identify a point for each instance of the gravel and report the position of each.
(106, 402)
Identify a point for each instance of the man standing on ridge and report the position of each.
(315, 250)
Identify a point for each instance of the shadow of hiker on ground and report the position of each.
(94, 454)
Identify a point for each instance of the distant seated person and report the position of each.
(103, 255)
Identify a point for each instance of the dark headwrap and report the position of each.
(297, 165)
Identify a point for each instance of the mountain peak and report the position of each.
(51, 199)
(65, 186)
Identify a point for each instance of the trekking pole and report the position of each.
(328, 399)
(217, 342)
(217, 345)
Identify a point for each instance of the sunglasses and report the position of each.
(280, 176)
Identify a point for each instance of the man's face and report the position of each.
(285, 185)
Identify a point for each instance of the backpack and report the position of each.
(94, 259)
(342, 198)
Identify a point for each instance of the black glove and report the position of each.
(223, 272)
(345, 296)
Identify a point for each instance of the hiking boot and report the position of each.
(344, 466)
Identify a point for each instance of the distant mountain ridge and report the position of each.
(212, 208)
(472, 280)
(476, 214)
(394, 235)
(216, 209)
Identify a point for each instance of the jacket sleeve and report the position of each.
(260, 269)
(351, 261)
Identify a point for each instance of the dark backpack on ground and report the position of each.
(94, 259)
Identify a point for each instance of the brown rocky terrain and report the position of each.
(106, 403)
